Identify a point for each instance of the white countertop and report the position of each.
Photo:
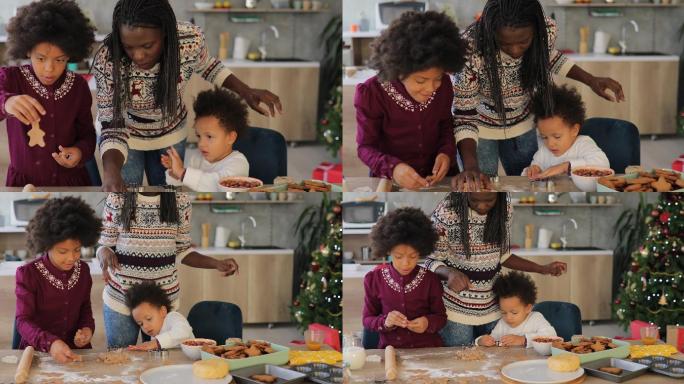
(358, 271)
(359, 77)
(613, 58)
(233, 63)
(365, 34)
(9, 268)
(213, 251)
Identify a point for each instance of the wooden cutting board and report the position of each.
(576, 381)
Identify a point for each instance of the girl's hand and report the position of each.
(533, 172)
(25, 108)
(146, 346)
(418, 325)
(227, 267)
(176, 169)
(470, 181)
(396, 319)
(108, 260)
(68, 157)
(440, 169)
(82, 337)
(458, 281)
(407, 177)
(559, 169)
(254, 97)
(513, 341)
(599, 85)
(486, 341)
(61, 352)
(555, 268)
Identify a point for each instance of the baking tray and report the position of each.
(279, 357)
(630, 369)
(321, 373)
(664, 365)
(285, 376)
(620, 352)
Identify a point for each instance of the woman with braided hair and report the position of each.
(512, 58)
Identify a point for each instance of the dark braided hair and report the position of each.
(168, 208)
(496, 226)
(149, 14)
(536, 79)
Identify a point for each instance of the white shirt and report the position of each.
(535, 325)
(203, 176)
(583, 151)
(174, 330)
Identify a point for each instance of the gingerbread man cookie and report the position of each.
(36, 135)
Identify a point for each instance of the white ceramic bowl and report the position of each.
(255, 182)
(544, 348)
(203, 5)
(193, 352)
(588, 183)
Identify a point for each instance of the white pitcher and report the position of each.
(601, 41)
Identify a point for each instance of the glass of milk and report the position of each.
(353, 353)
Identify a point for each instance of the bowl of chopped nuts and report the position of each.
(239, 183)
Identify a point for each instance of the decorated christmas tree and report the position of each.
(330, 126)
(652, 289)
(320, 295)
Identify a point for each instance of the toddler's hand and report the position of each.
(486, 341)
(513, 340)
(560, 169)
(533, 172)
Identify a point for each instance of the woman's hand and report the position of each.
(227, 267)
(396, 319)
(25, 108)
(146, 346)
(470, 181)
(440, 169)
(83, 337)
(457, 281)
(61, 352)
(67, 157)
(108, 260)
(555, 268)
(407, 177)
(254, 97)
(486, 341)
(600, 84)
(513, 341)
(418, 325)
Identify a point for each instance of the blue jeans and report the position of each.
(120, 330)
(515, 153)
(457, 334)
(150, 163)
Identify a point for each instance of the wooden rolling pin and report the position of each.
(390, 363)
(24, 366)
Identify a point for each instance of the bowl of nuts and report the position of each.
(192, 347)
(239, 183)
(585, 177)
(543, 344)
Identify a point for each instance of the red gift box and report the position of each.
(635, 328)
(332, 337)
(675, 336)
(678, 164)
(332, 173)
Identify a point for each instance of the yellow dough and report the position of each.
(210, 369)
(564, 363)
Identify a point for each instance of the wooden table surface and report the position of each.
(504, 184)
(439, 365)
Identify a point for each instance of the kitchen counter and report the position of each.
(214, 251)
(9, 268)
(233, 63)
(613, 58)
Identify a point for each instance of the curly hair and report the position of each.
(223, 105)
(147, 292)
(415, 42)
(407, 226)
(515, 284)
(567, 104)
(58, 22)
(67, 218)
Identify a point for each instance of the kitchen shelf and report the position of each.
(12, 229)
(255, 10)
(355, 231)
(549, 205)
(614, 5)
(233, 202)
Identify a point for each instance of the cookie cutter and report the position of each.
(158, 354)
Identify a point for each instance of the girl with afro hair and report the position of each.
(53, 311)
(403, 301)
(403, 114)
(44, 95)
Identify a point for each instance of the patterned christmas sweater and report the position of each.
(144, 128)
(478, 305)
(474, 113)
(149, 251)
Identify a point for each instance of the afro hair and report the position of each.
(66, 218)
(58, 22)
(223, 105)
(407, 226)
(415, 42)
(515, 284)
(147, 292)
(567, 104)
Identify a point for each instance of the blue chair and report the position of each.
(619, 140)
(370, 339)
(564, 317)
(216, 320)
(266, 152)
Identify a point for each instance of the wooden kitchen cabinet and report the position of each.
(587, 283)
(262, 290)
(650, 89)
